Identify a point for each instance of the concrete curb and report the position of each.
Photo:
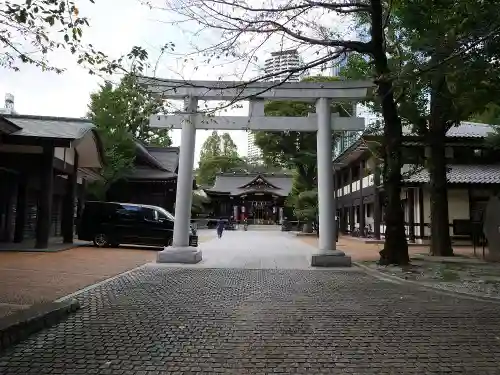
(397, 280)
(18, 326)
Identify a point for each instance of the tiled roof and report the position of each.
(463, 174)
(234, 183)
(50, 127)
(464, 130)
(470, 130)
(167, 156)
(145, 173)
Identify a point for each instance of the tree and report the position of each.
(199, 203)
(30, 30)
(445, 66)
(305, 206)
(229, 148)
(218, 154)
(121, 114)
(300, 25)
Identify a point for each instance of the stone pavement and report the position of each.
(254, 249)
(240, 321)
(199, 320)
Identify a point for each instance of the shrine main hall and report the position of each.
(258, 197)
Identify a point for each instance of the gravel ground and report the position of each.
(481, 279)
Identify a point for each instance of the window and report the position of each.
(149, 214)
(164, 214)
(128, 212)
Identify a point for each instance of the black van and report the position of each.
(111, 224)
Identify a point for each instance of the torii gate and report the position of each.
(323, 121)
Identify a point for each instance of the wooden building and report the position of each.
(473, 176)
(259, 197)
(44, 164)
(152, 181)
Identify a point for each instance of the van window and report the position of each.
(128, 213)
(164, 214)
(149, 214)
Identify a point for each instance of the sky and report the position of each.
(114, 30)
(115, 27)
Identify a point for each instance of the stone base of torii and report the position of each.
(323, 122)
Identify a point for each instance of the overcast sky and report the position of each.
(116, 26)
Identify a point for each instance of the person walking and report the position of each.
(220, 228)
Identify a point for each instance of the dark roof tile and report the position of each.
(462, 174)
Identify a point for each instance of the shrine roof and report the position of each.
(235, 183)
(462, 174)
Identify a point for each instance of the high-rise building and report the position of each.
(277, 65)
(8, 106)
(338, 64)
(281, 61)
(253, 151)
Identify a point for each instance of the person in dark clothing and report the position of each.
(220, 228)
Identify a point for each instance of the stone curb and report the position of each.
(18, 326)
(397, 280)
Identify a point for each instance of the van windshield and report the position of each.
(165, 213)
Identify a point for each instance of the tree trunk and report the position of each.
(440, 231)
(395, 247)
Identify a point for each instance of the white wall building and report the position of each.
(282, 61)
(253, 151)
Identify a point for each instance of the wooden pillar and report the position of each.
(361, 204)
(411, 214)
(45, 196)
(377, 212)
(68, 215)
(421, 216)
(22, 189)
(7, 203)
(351, 206)
(82, 197)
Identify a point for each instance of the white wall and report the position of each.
(59, 153)
(458, 207)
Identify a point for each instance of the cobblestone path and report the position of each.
(160, 320)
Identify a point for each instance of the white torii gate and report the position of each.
(323, 122)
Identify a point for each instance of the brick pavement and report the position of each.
(239, 321)
(361, 251)
(27, 278)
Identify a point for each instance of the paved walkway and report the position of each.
(361, 251)
(28, 278)
(199, 320)
(255, 249)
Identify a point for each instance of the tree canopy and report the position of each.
(121, 114)
(218, 154)
(442, 58)
(31, 29)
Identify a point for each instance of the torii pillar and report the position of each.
(180, 251)
(327, 256)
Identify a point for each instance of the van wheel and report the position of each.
(101, 240)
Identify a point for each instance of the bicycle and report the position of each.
(356, 232)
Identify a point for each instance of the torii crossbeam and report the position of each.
(323, 122)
